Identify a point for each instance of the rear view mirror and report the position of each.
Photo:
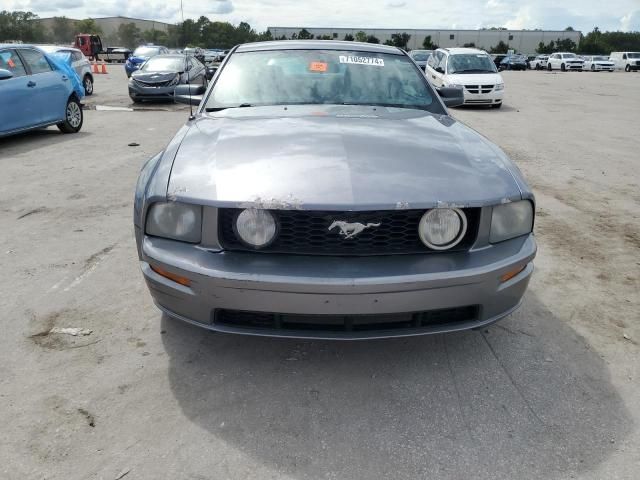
(5, 74)
(451, 96)
(189, 94)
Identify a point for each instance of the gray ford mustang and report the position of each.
(321, 190)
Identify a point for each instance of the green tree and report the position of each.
(349, 38)
(372, 39)
(130, 35)
(19, 25)
(501, 47)
(88, 25)
(304, 35)
(361, 36)
(469, 45)
(62, 30)
(427, 44)
(400, 40)
(265, 36)
(566, 45)
(157, 37)
(569, 29)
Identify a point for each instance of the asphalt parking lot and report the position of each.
(550, 392)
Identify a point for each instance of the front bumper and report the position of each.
(326, 287)
(605, 68)
(151, 93)
(492, 98)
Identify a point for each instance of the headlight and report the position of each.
(256, 228)
(499, 86)
(511, 220)
(178, 221)
(442, 228)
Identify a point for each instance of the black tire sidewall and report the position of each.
(66, 127)
(87, 79)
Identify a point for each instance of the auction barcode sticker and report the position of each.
(373, 61)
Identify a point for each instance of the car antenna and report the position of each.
(186, 64)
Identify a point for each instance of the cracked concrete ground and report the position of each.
(550, 392)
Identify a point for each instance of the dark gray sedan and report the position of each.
(323, 191)
(158, 77)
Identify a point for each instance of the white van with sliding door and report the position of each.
(471, 69)
(627, 61)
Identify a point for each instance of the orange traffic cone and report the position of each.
(104, 67)
(94, 67)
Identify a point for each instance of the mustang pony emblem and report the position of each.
(348, 230)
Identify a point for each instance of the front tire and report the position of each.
(74, 117)
(563, 68)
(87, 83)
(549, 67)
(627, 68)
(593, 68)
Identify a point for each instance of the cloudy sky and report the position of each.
(547, 14)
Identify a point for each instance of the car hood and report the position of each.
(138, 59)
(153, 77)
(352, 158)
(603, 62)
(474, 78)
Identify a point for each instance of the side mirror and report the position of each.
(211, 71)
(439, 69)
(451, 96)
(189, 94)
(5, 74)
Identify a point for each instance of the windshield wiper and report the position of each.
(477, 70)
(219, 109)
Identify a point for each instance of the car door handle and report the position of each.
(64, 78)
(31, 84)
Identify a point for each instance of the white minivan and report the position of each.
(629, 61)
(471, 69)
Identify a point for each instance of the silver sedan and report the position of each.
(323, 191)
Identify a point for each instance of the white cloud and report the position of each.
(630, 22)
(398, 14)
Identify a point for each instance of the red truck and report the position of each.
(91, 46)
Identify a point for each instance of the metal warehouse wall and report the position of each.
(525, 41)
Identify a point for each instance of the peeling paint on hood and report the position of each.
(267, 157)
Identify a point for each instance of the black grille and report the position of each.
(346, 323)
(307, 232)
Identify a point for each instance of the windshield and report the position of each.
(164, 64)
(420, 56)
(289, 77)
(471, 63)
(634, 55)
(569, 55)
(145, 51)
(600, 58)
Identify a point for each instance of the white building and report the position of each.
(523, 41)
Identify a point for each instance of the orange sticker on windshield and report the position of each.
(318, 66)
(11, 63)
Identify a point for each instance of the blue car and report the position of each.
(141, 55)
(37, 91)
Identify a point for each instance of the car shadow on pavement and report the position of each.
(44, 137)
(524, 398)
